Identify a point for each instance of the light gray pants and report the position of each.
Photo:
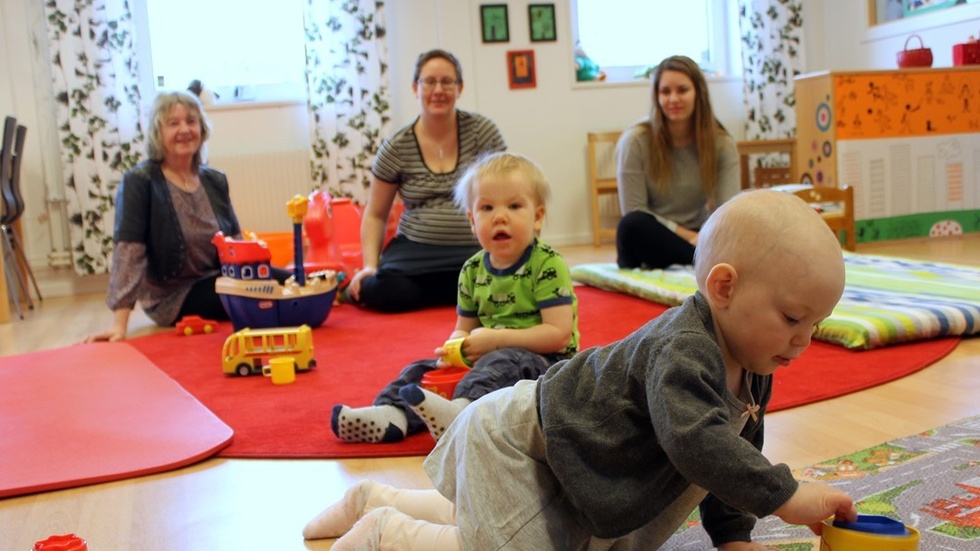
(491, 463)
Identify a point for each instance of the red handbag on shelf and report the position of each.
(967, 53)
(919, 57)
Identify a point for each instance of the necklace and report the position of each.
(440, 146)
(184, 183)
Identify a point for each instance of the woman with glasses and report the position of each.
(420, 163)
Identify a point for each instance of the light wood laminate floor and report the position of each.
(238, 504)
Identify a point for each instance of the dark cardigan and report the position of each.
(145, 214)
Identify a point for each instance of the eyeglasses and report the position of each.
(430, 83)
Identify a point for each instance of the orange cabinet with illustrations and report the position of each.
(908, 141)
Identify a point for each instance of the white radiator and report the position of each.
(262, 183)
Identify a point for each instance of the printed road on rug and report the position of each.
(930, 481)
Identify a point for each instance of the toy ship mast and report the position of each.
(296, 209)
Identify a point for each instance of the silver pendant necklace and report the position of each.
(439, 146)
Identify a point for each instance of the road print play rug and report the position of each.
(930, 481)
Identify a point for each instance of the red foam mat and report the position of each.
(94, 413)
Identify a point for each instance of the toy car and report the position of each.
(246, 351)
(188, 325)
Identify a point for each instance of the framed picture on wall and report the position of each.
(520, 69)
(915, 7)
(493, 21)
(886, 11)
(542, 18)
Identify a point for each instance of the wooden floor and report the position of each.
(242, 504)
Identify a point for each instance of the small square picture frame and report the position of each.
(493, 23)
(541, 18)
(520, 69)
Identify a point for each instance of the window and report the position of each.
(626, 37)
(239, 50)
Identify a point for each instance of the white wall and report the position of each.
(851, 44)
(549, 123)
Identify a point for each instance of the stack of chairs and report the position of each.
(15, 263)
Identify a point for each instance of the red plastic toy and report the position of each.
(323, 252)
(67, 542)
(243, 252)
(333, 233)
(189, 325)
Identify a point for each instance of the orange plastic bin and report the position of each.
(443, 381)
(280, 247)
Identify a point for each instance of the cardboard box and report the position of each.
(966, 54)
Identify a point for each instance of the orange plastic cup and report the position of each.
(443, 381)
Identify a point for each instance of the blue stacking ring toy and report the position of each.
(874, 524)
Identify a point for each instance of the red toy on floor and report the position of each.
(190, 325)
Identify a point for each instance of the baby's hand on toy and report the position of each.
(481, 342)
(743, 546)
(452, 354)
(815, 501)
(441, 353)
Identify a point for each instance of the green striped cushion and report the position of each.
(886, 300)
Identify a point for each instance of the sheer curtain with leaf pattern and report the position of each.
(97, 110)
(772, 54)
(94, 76)
(347, 92)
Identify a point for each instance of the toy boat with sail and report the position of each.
(254, 299)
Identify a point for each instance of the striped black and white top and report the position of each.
(430, 215)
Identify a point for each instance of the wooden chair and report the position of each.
(839, 220)
(602, 179)
(766, 176)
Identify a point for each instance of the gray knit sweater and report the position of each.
(685, 204)
(630, 426)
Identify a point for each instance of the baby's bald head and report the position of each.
(764, 233)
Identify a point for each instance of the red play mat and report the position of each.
(359, 351)
(95, 413)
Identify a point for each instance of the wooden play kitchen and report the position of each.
(904, 139)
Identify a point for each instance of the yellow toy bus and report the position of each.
(247, 350)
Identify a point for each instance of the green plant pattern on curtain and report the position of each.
(772, 54)
(93, 73)
(347, 92)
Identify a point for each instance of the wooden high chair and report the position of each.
(839, 220)
(766, 176)
(602, 179)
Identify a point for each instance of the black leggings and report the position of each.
(643, 242)
(203, 301)
(394, 292)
